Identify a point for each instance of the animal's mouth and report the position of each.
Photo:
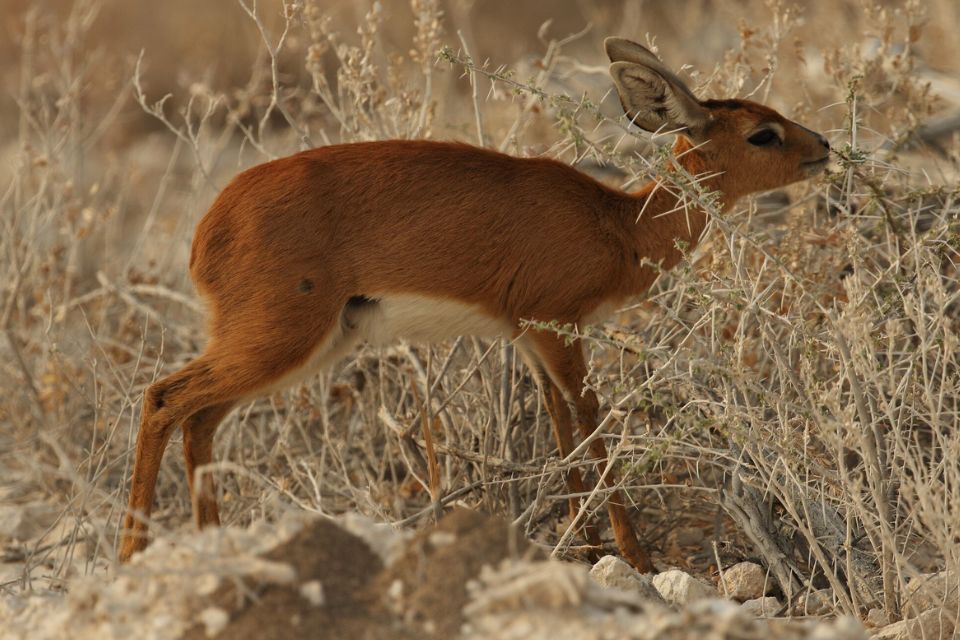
(813, 167)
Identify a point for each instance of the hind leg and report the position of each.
(165, 405)
(238, 366)
(198, 432)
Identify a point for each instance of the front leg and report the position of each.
(565, 365)
(562, 423)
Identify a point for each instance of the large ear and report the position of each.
(652, 96)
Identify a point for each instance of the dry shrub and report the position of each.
(799, 368)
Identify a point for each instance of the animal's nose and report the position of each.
(823, 140)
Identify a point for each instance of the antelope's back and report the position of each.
(388, 214)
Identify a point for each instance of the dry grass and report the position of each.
(800, 368)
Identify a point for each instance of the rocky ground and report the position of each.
(470, 576)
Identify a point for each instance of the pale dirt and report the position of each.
(470, 576)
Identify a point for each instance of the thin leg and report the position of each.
(163, 410)
(623, 531)
(563, 433)
(566, 367)
(198, 432)
(151, 443)
(269, 326)
(199, 396)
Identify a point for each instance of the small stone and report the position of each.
(214, 620)
(614, 573)
(441, 538)
(396, 589)
(745, 581)
(680, 588)
(762, 607)
(313, 592)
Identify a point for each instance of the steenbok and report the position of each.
(302, 258)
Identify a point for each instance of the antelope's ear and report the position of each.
(652, 96)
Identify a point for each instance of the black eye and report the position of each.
(764, 138)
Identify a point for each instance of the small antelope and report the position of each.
(302, 258)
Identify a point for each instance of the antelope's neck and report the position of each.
(662, 220)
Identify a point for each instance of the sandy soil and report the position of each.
(469, 576)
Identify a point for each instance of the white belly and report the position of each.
(383, 320)
(423, 319)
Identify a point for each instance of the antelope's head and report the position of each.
(752, 146)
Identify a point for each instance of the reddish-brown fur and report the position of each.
(288, 243)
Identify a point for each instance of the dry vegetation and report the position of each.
(788, 394)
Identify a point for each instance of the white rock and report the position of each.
(614, 573)
(214, 620)
(762, 607)
(930, 625)
(680, 588)
(745, 581)
(611, 571)
(313, 592)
